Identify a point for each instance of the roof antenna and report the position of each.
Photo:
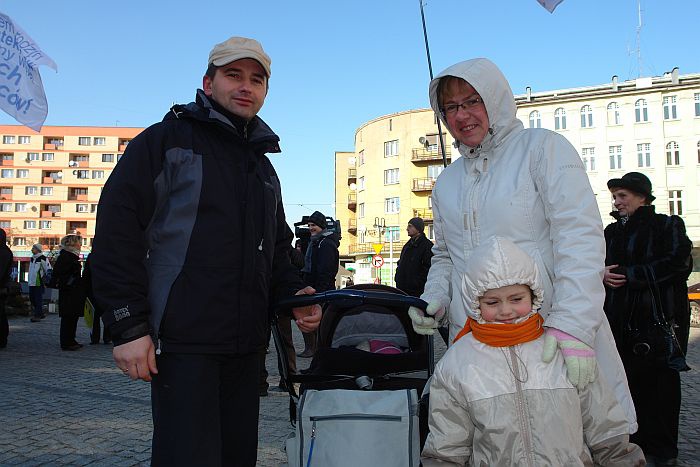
(639, 44)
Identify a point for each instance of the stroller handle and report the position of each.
(347, 298)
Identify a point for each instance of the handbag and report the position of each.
(655, 340)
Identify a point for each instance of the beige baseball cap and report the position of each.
(237, 48)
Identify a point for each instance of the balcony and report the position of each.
(50, 180)
(423, 184)
(425, 214)
(352, 201)
(7, 162)
(74, 197)
(82, 231)
(74, 163)
(50, 213)
(425, 155)
(6, 197)
(352, 174)
(50, 146)
(352, 225)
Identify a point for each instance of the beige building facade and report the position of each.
(50, 182)
(648, 125)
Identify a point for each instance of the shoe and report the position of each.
(307, 353)
(72, 347)
(34, 319)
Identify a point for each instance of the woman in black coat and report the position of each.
(71, 293)
(647, 264)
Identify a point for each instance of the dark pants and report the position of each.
(657, 398)
(205, 410)
(95, 333)
(36, 298)
(69, 325)
(4, 326)
(285, 326)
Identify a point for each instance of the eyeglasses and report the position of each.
(452, 109)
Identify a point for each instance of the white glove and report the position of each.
(579, 358)
(426, 325)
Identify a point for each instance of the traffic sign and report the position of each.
(377, 247)
(377, 261)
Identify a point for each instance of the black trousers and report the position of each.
(69, 326)
(657, 399)
(205, 410)
(4, 325)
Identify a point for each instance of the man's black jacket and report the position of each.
(413, 266)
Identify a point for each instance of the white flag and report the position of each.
(21, 90)
(550, 5)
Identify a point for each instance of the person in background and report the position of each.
(414, 262)
(191, 322)
(494, 401)
(89, 293)
(647, 265)
(5, 275)
(529, 186)
(71, 293)
(321, 263)
(38, 266)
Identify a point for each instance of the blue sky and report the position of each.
(335, 65)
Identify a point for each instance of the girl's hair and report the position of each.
(71, 241)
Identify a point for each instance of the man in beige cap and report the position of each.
(191, 247)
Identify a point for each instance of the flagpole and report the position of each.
(430, 69)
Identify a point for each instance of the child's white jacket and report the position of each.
(520, 411)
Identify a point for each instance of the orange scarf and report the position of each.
(504, 335)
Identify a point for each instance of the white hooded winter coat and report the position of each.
(529, 186)
(502, 406)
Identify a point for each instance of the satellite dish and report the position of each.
(59, 175)
(72, 164)
(422, 140)
(75, 172)
(353, 187)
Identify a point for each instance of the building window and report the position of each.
(47, 156)
(7, 139)
(675, 202)
(30, 190)
(93, 208)
(82, 173)
(361, 210)
(7, 173)
(586, 116)
(615, 157)
(82, 208)
(361, 158)
(613, 113)
(99, 141)
(697, 104)
(46, 191)
(84, 141)
(560, 119)
(107, 157)
(30, 224)
(698, 152)
(20, 207)
(6, 207)
(361, 184)
(435, 170)
(24, 139)
(431, 231)
(98, 174)
(673, 154)
(119, 157)
(391, 176)
(44, 224)
(391, 205)
(644, 155)
(391, 148)
(535, 120)
(5, 225)
(640, 111)
(19, 241)
(7, 157)
(588, 158)
(670, 112)
(33, 156)
(392, 234)
(22, 173)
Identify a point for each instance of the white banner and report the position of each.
(21, 90)
(550, 5)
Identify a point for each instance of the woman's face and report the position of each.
(626, 202)
(465, 112)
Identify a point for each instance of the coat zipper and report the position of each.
(520, 407)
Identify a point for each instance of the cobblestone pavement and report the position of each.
(76, 408)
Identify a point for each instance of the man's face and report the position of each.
(314, 229)
(468, 125)
(411, 231)
(239, 87)
(35, 250)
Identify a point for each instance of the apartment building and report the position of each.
(649, 125)
(50, 182)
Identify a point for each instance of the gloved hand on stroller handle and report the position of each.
(426, 323)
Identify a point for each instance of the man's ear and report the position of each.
(206, 85)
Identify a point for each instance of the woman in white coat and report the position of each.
(529, 186)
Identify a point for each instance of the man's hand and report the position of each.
(426, 325)
(137, 359)
(579, 358)
(307, 318)
(613, 280)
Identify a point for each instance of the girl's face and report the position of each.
(506, 304)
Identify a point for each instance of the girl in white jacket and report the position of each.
(493, 401)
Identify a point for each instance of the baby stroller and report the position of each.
(358, 403)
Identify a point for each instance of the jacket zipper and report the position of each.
(520, 407)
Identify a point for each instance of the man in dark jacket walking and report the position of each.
(192, 322)
(5, 268)
(414, 262)
(320, 266)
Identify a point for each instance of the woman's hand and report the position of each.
(613, 280)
